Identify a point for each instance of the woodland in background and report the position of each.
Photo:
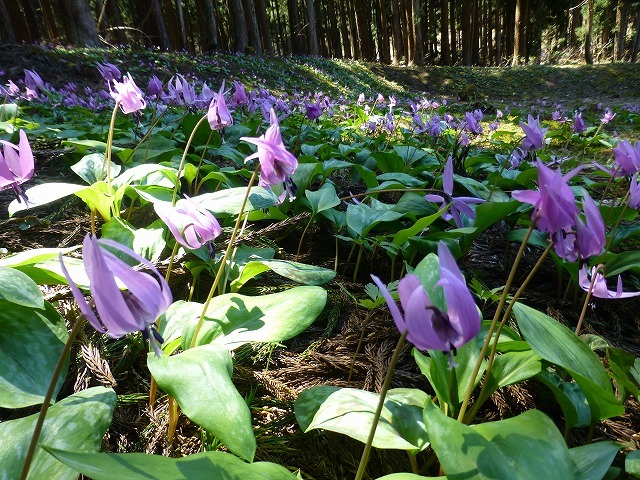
(414, 32)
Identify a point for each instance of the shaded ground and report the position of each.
(271, 377)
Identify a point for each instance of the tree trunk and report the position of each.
(454, 31)
(407, 22)
(263, 24)
(82, 25)
(18, 23)
(445, 51)
(524, 34)
(587, 37)
(635, 46)
(312, 28)
(6, 29)
(49, 20)
(498, 28)
(490, 30)
(477, 20)
(251, 20)
(622, 18)
(31, 18)
(207, 24)
(182, 32)
(383, 32)
(240, 35)
(344, 30)
(353, 31)
(171, 21)
(418, 53)
(467, 32)
(295, 28)
(285, 41)
(365, 39)
(398, 45)
(517, 32)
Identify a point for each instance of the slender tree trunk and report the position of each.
(344, 29)
(445, 50)
(498, 29)
(172, 24)
(251, 20)
(407, 21)
(6, 28)
(49, 20)
(383, 32)
(263, 24)
(635, 46)
(353, 31)
(490, 33)
(454, 31)
(312, 28)
(295, 28)
(418, 53)
(517, 32)
(524, 34)
(622, 15)
(182, 32)
(587, 37)
(285, 41)
(240, 34)
(477, 20)
(398, 44)
(365, 39)
(31, 18)
(467, 32)
(207, 24)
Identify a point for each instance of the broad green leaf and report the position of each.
(361, 218)
(49, 272)
(33, 256)
(91, 168)
(233, 319)
(200, 381)
(621, 262)
(557, 344)
(350, 411)
(98, 197)
(159, 149)
(408, 476)
(409, 154)
(298, 272)
(512, 367)
(18, 288)
(43, 194)
(229, 201)
(30, 345)
(528, 446)
(403, 179)
(401, 236)
(140, 466)
(148, 243)
(570, 398)
(622, 365)
(323, 198)
(76, 423)
(489, 213)
(632, 463)
(140, 173)
(592, 461)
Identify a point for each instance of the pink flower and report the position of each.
(16, 166)
(191, 225)
(534, 134)
(218, 114)
(127, 94)
(600, 289)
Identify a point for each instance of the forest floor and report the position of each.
(272, 376)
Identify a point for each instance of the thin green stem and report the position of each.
(588, 297)
(107, 154)
(376, 416)
(223, 262)
(184, 158)
(302, 237)
(355, 270)
(494, 322)
(355, 354)
(505, 317)
(414, 463)
(49, 395)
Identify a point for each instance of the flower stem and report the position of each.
(107, 154)
(494, 322)
(376, 416)
(49, 395)
(355, 354)
(184, 158)
(588, 297)
(223, 262)
(302, 237)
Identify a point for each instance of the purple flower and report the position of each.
(429, 328)
(180, 91)
(471, 123)
(608, 116)
(109, 71)
(32, 80)
(578, 123)
(554, 202)
(534, 134)
(457, 205)
(600, 289)
(16, 166)
(590, 235)
(191, 225)
(218, 114)
(239, 95)
(154, 89)
(128, 95)
(276, 163)
(634, 192)
(313, 111)
(626, 158)
(13, 89)
(145, 298)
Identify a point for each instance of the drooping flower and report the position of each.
(16, 166)
(600, 289)
(578, 123)
(239, 96)
(554, 202)
(191, 225)
(428, 327)
(276, 163)
(634, 192)
(32, 80)
(534, 134)
(590, 235)
(154, 89)
(457, 205)
(313, 110)
(626, 158)
(471, 123)
(109, 71)
(218, 115)
(180, 91)
(127, 94)
(146, 295)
